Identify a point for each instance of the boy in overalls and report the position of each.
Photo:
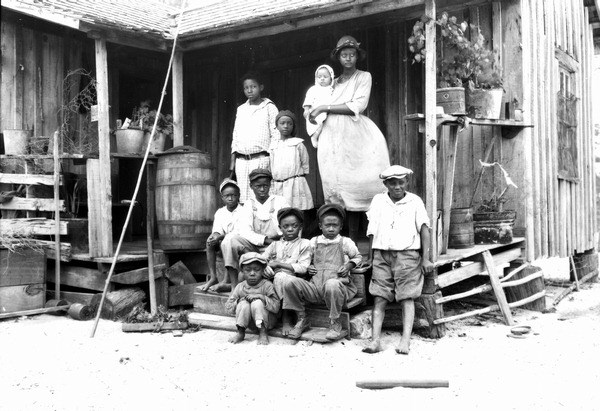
(258, 223)
(330, 284)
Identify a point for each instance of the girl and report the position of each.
(289, 164)
(253, 132)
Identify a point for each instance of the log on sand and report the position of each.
(118, 304)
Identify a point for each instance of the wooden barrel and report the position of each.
(185, 198)
(460, 234)
(452, 99)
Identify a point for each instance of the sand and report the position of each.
(49, 362)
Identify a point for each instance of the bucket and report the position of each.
(185, 198)
(494, 227)
(129, 141)
(461, 228)
(158, 143)
(452, 99)
(16, 141)
(484, 103)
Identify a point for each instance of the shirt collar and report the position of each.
(290, 241)
(408, 197)
(324, 240)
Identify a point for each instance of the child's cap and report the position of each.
(286, 211)
(258, 173)
(250, 257)
(326, 67)
(228, 182)
(287, 113)
(395, 172)
(336, 208)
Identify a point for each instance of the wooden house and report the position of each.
(545, 47)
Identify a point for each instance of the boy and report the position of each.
(258, 223)
(333, 258)
(254, 299)
(225, 222)
(399, 241)
(289, 257)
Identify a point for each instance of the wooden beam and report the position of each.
(30, 226)
(113, 35)
(32, 204)
(490, 265)
(42, 179)
(431, 125)
(178, 99)
(139, 275)
(81, 277)
(276, 26)
(101, 226)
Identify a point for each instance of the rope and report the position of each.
(139, 180)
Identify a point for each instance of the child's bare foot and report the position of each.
(263, 337)
(287, 323)
(373, 347)
(209, 284)
(239, 336)
(220, 287)
(404, 346)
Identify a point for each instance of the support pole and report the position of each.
(178, 99)
(150, 179)
(56, 155)
(431, 125)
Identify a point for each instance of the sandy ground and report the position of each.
(49, 362)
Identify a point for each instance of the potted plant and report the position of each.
(130, 136)
(465, 63)
(164, 128)
(492, 224)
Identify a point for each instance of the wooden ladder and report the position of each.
(497, 285)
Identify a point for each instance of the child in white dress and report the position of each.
(289, 164)
(319, 94)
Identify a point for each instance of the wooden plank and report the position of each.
(99, 217)
(430, 139)
(30, 226)
(523, 280)
(210, 303)
(32, 204)
(527, 300)
(450, 146)
(466, 315)
(179, 274)
(9, 73)
(476, 268)
(105, 246)
(73, 297)
(477, 290)
(178, 99)
(26, 266)
(137, 276)
(81, 277)
(42, 179)
(490, 265)
(22, 297)
(154, 327)
(497, 32)
(182, 294)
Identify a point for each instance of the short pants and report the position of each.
(396, 273)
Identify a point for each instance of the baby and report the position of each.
(318, 95)
(254, 300)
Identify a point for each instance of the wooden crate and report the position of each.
(22, 280)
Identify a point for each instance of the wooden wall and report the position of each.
(560, 213)
(36, 56)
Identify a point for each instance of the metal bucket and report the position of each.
(460, 234)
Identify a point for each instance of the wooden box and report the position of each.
(22, 280)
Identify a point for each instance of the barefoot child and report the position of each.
(289, 163)
(253, 132)
(399, 239)
(317, 95)
(226, 221)
(253, 301)
(333, 258)
(289, 257)
(258, 223)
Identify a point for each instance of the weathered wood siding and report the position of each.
(36, 56)
(560, 217)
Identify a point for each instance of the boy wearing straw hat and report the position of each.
(399, 247)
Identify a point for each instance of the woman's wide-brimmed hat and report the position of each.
(345, 42)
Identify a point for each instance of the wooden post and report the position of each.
(178, 99)
(150, 178)
(56, 155)
(497, 287)
(450, 163)
(100, 227)
(431, 125)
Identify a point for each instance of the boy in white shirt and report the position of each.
(226, 221)
(399, 244)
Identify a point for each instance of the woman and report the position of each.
(352, 151)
